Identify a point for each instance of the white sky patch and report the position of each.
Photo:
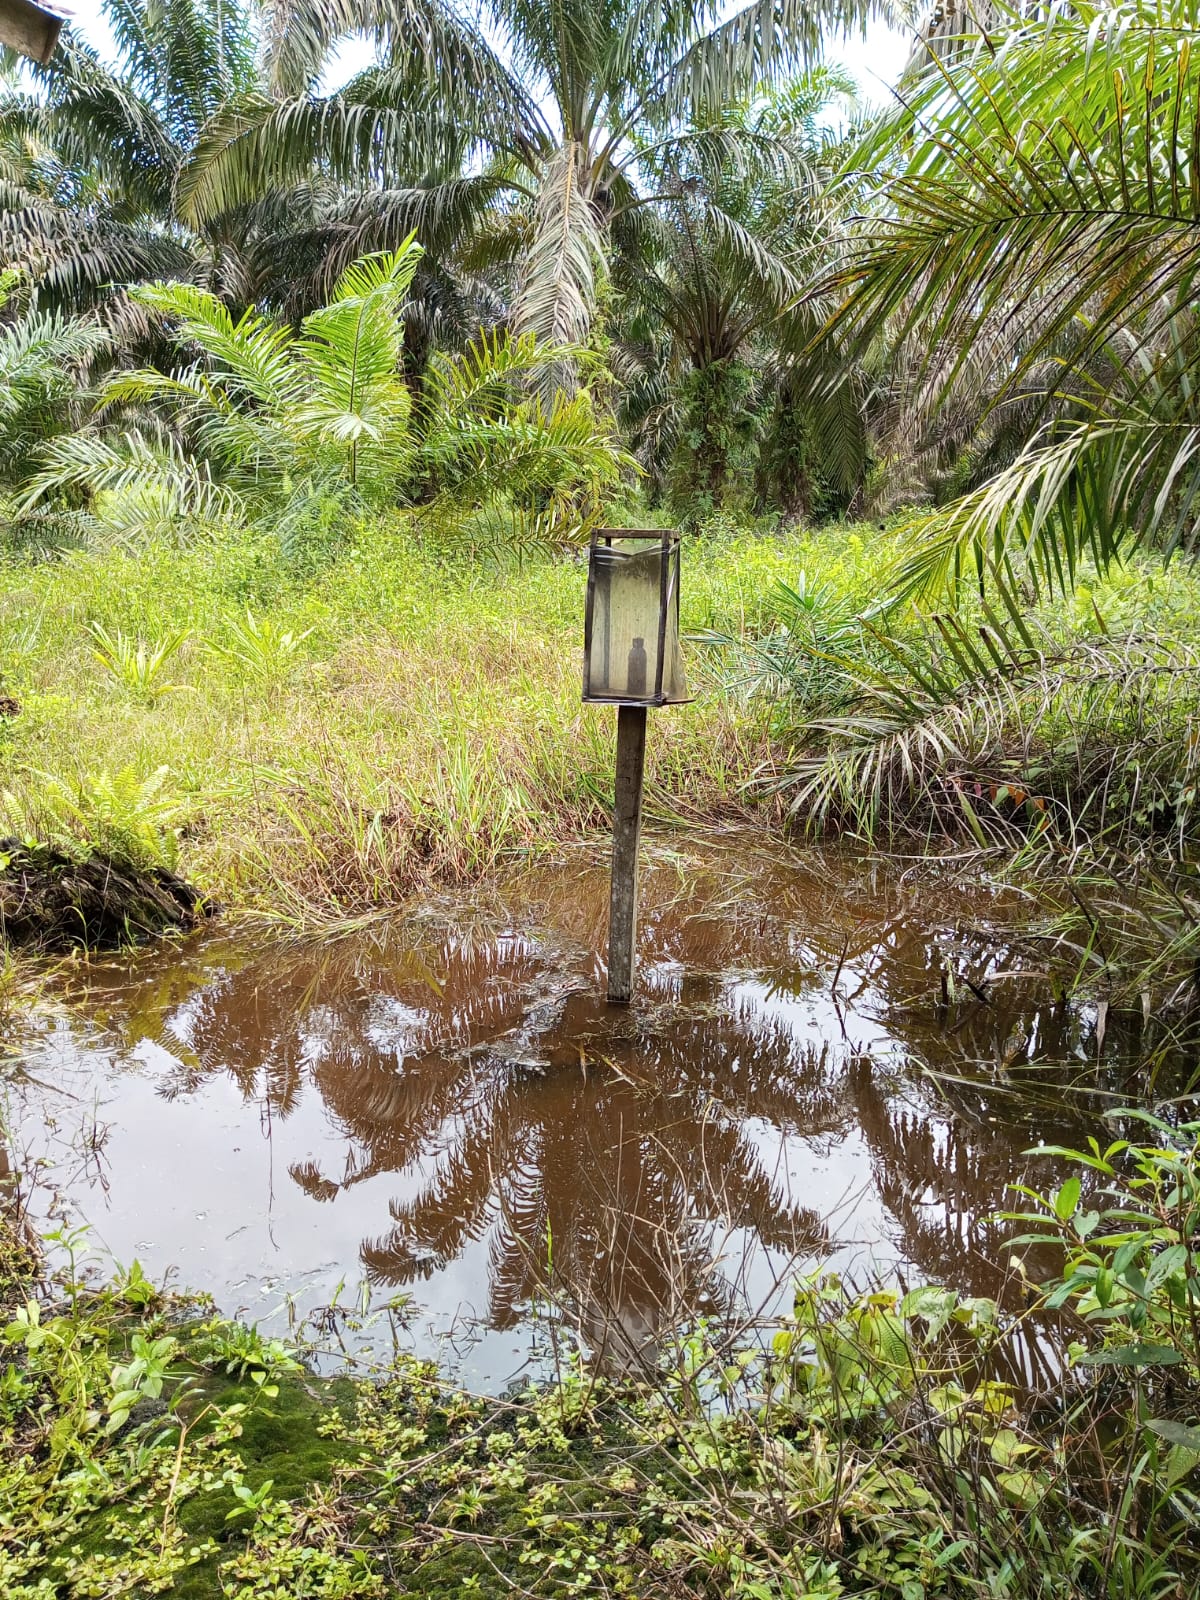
(874, 61)
(88, 19)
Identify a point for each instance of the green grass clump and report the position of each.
(331, 736)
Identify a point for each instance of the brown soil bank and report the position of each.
(52, 900)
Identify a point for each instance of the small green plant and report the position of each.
(244, 1354)
(261, 647)
(135, 1288)
(1131, 1244)
(867, 1448)
(126, 816)
(140, 1378)
(250, 1502)
(137, 665)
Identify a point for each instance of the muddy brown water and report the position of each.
(441, 1110)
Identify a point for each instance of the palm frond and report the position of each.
(1044, 185)
(442, 215)
(78, 263)
(758, 44)
(140, 484)
(253, 354)
(1095, 489)
(486, 376)
(557, 288)
(423, 34)
(1002, 732)
(46, 361)
(350, 350)
(558, 459)
(43, 348)
(184, 55)
(1033, 250)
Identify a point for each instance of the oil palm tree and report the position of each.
(712, 281)
(44, 361)
(263, 420)
(47, 361)
(90, 166)
(1034, 248)
(94, 206)
(554, 110)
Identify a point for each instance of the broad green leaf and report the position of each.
(1133, 1355)
(1006, 1447)
(1066, 1201)
(1022, 1486)
(1178, 1433)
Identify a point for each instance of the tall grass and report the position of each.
(1055, 739)
(393, 709)
(1005, 719)
(335, 737)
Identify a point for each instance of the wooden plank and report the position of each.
(627, 828)
(29, 29)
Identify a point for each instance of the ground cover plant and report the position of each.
(873, 1442)
(316, 740)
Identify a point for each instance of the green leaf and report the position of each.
(951, 1552)
(1133, 1355)
(1171, 1260)
(1023, 1486)
(1066, 1201)
(1006, 1447)
(1176, 1433)
(1128, 1252)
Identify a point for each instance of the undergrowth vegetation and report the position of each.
(313, 739)
(870, 1443)
(315, 735)
(1051, 740)
(1011, 719)
(285, 426)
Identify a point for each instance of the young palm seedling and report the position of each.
(259, 646)
(138, 665)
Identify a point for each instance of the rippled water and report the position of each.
(443, 1105)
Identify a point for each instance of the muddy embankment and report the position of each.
(55, 900)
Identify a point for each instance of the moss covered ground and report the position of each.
(865, 1446)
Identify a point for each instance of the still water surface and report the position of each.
(443, 1108)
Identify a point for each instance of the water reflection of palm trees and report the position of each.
(510, 1106)
(604, 1153)
(609, 1152)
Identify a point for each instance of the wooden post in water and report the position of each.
(631, 659)
(627, 827)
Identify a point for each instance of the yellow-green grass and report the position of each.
(425, 721)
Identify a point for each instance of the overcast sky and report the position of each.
(875, 61)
